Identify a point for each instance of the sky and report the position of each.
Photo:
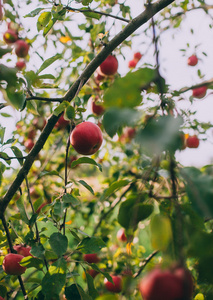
(173, 67)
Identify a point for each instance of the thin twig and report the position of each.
(145, 262)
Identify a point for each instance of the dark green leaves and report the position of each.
(48, 62)
(126, 91)
(91, 245)
(115, 118)
(85, 160)
(160, 134)
(58, 243)
(199, 188)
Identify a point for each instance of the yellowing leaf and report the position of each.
(161, 232)
(129, 248)
(69, 222)
(65, 39)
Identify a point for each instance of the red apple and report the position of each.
(40, 207)
(132, 63)
(99, 76)
(97, 108)
(10, 36)
(23, 250)
(20, 64)
(39, 123)
(137, 56)
(31, 134)
(192, 141)
(109, 66)
(62, 123)
(161, 285)
(127, 135)
(187, 281)
(86, 138)
(21, 48)
(121, 236)
(91, 258)
(13, 26)
(116, 286)
(29, 144)
(199, 92)
(93, 273)
(11, 264)
(192, 60)
(1, 298)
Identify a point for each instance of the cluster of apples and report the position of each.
(199, 92)
(132, 63)
(171, 284)
(20, 45)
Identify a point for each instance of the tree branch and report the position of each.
(137, 22)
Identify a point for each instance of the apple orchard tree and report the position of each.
(93, 202)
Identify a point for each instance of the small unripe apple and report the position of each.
(109, 66)
(13, 26)
(192, 141)
(116, 286)
(91, 258)
(132, 63)
(29, 144)
(137, 56)
(39, 123)
(199, 92)
(20, 64)
(121, 236)
(11, 264)
(86, 138)
(23, 250)
(62, 123)
(21, 48)
(97, 108)
(192, 60)
(10, 36)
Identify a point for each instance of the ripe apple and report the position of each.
(121, 236)
(86, 138)
(109, 66)
(23, 250)
(31, 134)
(127, 135)
(137, 56)
(132, 63)
(11, 264)
(1, 298)
(192, 60)
(20, 64)
(29, 144)
(39, 123)
(91, 258)
(187, 281)
(192, 141)
(97, 108)
(99, 76)
(199, 92)
(10, 36)
(161, 285)
(116, 286)
(21, 48)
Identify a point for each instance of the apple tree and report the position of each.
(94, 203)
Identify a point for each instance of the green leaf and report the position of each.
(38, 251)
(17, 153)
(48, 62)
(21, 208)
(58, 243)
(32, 262)
(8, 74)
(32, 107)
(85, 160)
(132, 211)
(91, 245)
(107, 297)
(199, 188)
(5, 157)
(49, 26)
(69, 113)
(76, 292)
(115, 186)
(46, 76)
(2, 169)
(59, 266)
(2, 132)
(4, 51)
(43, 20)
(16, 98)
(51, 173)
(52, 285)
(69, 198)
(61, 107)
(115, 118)
(90, 14)
(160, 134)
(34, 13)
(5, 115)
(126, 91)
(87, 186)
(91, 289)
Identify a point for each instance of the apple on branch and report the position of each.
(192, 60)
(116, 286)
(199, 92)
(86, 138)
(109, 66)
(11, 264)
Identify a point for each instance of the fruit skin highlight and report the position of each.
(86, 138)
(109, 66)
